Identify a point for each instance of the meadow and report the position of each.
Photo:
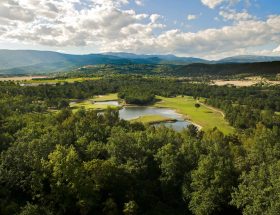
(204, 116)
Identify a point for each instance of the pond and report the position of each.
(133, 112)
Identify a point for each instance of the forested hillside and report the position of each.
(209, 71)
(28, 62)
(56, 161)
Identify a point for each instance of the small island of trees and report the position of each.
(137, 96)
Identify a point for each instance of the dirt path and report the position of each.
(212, 108)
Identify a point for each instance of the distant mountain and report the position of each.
(14, 62)
(31, 62)
(228, 69)
(172, 59)
(36, 62)
(249, 59)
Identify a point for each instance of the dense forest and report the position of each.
(56, 161)
(193, 70)
(135, 95)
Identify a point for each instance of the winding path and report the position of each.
(211, 108)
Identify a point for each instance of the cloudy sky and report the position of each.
(201, 28)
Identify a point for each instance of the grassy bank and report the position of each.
(203, 116)
(153, 119)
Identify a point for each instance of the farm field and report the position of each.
(21, 78)
(54, 81)
(245, 83)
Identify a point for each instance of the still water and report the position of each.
(133, 112)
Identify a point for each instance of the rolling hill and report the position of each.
(20, 62)
(36, 62)
(249, 59)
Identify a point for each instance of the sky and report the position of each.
(210, 29)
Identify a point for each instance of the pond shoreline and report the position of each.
(169, 116)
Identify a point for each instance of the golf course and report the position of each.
(205, 117)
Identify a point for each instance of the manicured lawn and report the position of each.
(88, 104)
(151, 119)
(203, 116)
(108, 97)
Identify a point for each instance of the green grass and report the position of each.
(203, 116)
(152, 119)
(277, 113)
(88, 105)
(108, 97)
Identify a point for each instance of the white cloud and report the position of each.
(154, 17)
(236, 16)
(105, 26)
(139, 2)
(212, 3)
(276, 50)
(191, 17)
(210, 42)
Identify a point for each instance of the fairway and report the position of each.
(108, 97)
(89, 104)
(203, 116)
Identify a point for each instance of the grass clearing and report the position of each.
(104, 98)
(203, 116)
(90, 105)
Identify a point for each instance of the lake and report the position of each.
(133, 112)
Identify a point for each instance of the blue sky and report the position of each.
(201, 28)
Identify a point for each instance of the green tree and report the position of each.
(213, 179)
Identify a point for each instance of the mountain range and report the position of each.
(14, 62)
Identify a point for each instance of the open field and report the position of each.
(245, 83)
(54, 81)
(21, 78)
(203, 116)
(89, 105)
(153, 119)
(108, 97)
